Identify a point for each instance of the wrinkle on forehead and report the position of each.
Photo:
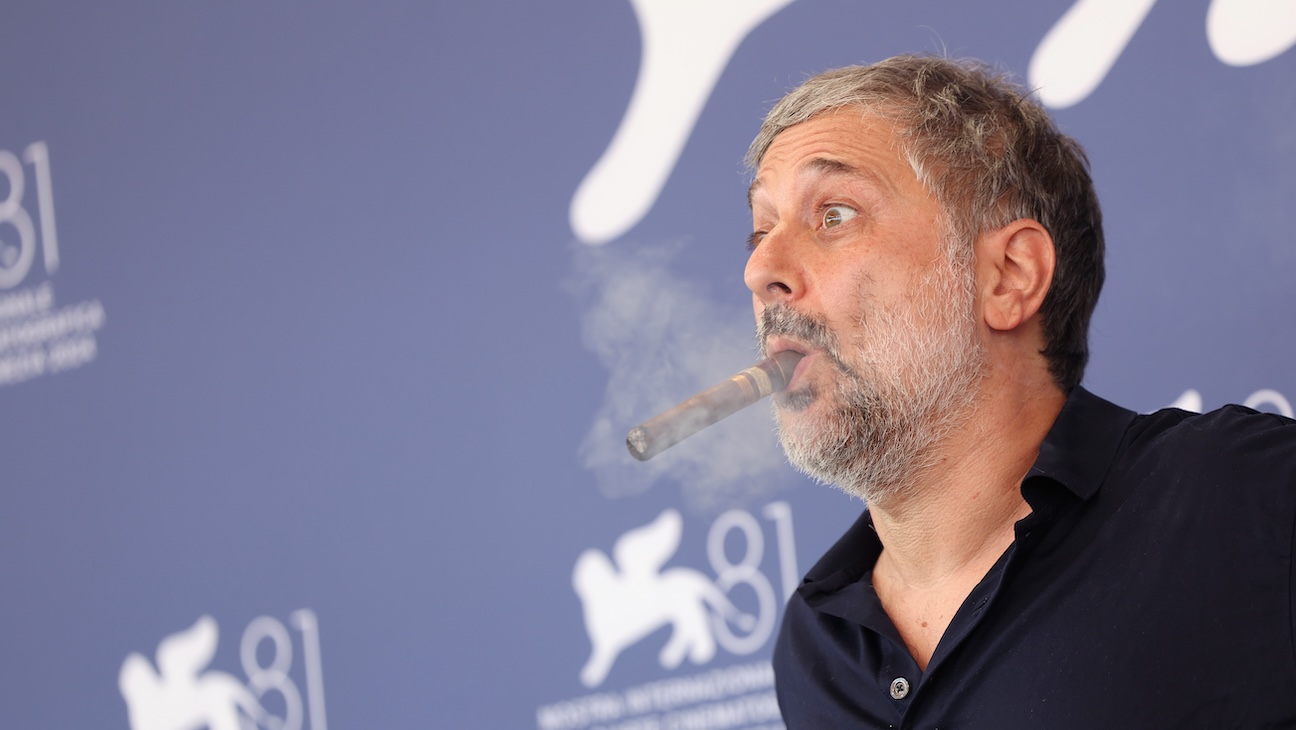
(876, 143)
(817, 166)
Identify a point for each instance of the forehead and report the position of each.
(848, 141)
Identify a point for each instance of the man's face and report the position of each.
(848, 267)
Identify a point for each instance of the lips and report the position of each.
(782, 328)
(775, 345)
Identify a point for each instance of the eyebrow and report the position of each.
(824, 166)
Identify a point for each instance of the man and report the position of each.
(1031, 555)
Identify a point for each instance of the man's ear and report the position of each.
(1015, 266)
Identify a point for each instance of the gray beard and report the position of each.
(889, 416)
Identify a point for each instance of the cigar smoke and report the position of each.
(660, 331)
(718, 402)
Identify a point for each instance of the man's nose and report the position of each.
(773, 273)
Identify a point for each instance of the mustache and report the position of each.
(782, 320)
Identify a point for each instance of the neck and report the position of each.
(960, 513)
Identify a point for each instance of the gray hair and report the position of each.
(991, 155)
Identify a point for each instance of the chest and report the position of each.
(922, 614)
(922, 617)
(1188, 633)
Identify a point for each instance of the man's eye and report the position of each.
(835, 215)
(754, 239)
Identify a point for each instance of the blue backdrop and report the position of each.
(321, 326)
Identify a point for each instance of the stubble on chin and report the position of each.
(878, 424)
(794, 401)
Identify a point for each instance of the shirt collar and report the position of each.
(1081, 445)
(1076, 453)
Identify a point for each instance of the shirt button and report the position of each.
(899, 688)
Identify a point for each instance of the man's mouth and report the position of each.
(776, 344)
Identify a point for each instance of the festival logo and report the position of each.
(36, 337)
(623, 606)
(631, 595)
(182, 693)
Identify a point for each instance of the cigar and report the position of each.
(720, 401)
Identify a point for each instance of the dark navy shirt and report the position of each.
(1150, 587)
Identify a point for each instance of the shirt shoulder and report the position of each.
(1233, 468)
(1233, 438)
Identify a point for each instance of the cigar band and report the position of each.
(755, 376)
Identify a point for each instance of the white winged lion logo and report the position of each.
(625, 602)
(179, 695)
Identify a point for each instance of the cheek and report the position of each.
(853, 315)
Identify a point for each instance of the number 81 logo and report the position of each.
(16, 261)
